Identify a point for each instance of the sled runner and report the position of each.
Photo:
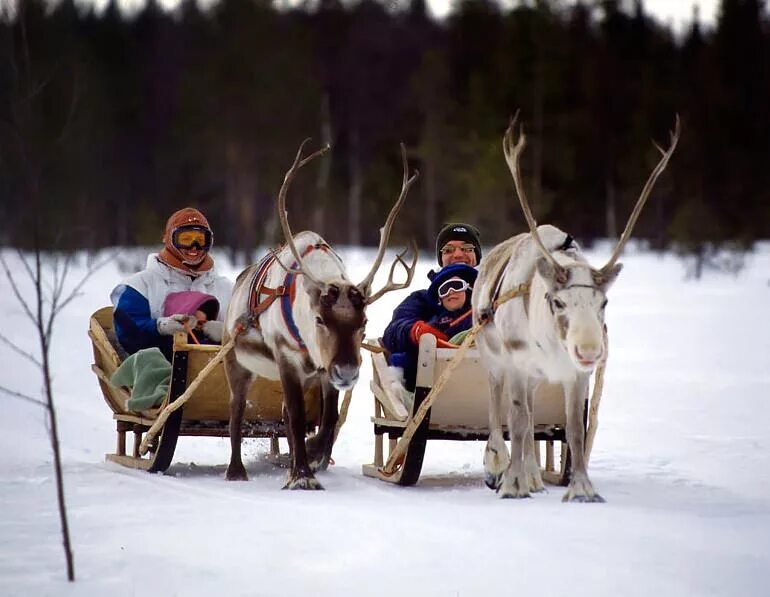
(206, 413)
(460, 412)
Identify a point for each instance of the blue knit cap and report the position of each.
(456, 270)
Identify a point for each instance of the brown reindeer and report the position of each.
(297, 317)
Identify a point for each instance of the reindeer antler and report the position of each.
(299, 161)
(674, 137)
(391, 285)
(512, 153)
(407, 182)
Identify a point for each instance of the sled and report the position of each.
(460, 413)
(205, 414)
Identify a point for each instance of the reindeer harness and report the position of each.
(261, 296)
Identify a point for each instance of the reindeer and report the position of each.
(312, 335)
(555, 333)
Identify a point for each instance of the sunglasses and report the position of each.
(189, 237)
(449, 249)
(454, 285)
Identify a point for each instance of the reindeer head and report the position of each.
(337, 306)
(577, 293)
(339, 320)
(576, 296)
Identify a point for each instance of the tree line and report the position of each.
(109, 122)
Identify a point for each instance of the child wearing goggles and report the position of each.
(451, 288)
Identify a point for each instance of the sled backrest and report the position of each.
(106, 357)
(464, 400)
(211, 400)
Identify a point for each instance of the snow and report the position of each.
(682, 457)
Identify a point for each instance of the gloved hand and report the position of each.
(420, 328)
(168, 326)
(214, 330)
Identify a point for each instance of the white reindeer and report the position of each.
(554, 333)
(302, 323)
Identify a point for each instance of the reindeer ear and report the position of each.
(313, 288)
(604, 278)
(555, 277)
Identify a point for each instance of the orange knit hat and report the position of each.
(187, 216)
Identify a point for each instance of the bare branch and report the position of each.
(76, 290)
(21, 396)
(15, 289)
(13, 346)
(406, 184)
(27, 266)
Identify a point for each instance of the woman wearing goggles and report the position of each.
(183, 265)
(188, 237)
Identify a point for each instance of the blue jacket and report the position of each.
(418, 306)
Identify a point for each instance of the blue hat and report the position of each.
(456, 270)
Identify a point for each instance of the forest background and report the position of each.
(110, 121)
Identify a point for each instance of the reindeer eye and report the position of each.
(558, 304)
(319, 321)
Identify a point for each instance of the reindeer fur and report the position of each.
(556, 334)
(330, 319)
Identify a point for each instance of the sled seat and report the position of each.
(206, 413)
(460, 412)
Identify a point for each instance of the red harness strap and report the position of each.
(285, 292)
(258, 288)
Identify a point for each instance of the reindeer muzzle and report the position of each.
(343, 377)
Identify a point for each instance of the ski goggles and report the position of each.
(187, 237)
(453, 285)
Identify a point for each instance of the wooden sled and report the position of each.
(459, 413)
(206, 413)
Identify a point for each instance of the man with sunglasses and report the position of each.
(184, 264)
(456, 244)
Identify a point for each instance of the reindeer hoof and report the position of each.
(303, 483)
(514, 496)
(236, 473)
(514, 486)
(493, 481)
(583, 499)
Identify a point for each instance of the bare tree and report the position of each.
(32, 148)
(46, 303)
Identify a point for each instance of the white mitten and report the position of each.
(214, 330)
(168, 326)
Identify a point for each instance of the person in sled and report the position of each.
(148, 306)
(458, 246)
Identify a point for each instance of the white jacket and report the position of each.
(158, 280)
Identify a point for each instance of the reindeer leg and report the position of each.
(515, 484)
(239, 380)
(496, 453)
(300, 475)
(319, 447)
(580, 488)
(531, 466)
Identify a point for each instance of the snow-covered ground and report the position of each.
(682, 457)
